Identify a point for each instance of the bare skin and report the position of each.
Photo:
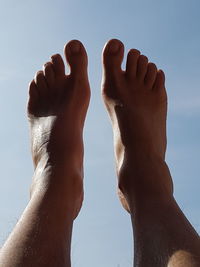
(57, 108)
(136, 101)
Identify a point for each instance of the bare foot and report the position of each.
(136, 100)
(57, 108)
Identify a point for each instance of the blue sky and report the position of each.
(168, 33)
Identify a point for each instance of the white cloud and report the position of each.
(185, 97)
(189, 104)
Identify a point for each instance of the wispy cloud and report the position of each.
(8, 74)
(185, 98)
(189, 104)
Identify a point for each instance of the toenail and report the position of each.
(75, 47)
(114, 47)
(47, 64)
(55, 57)
(134, 52)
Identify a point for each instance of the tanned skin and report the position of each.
(136, 101)
(57, 108)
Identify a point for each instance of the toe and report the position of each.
(142, 67)
(131, 65)
(159, 81)
(150, 75)
(33, 97)
(112, 57)
(49, 74)
(41, 83)
(58, 65)
(76, 57)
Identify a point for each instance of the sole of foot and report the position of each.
(57, 108)
(136, 101)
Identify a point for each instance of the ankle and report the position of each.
(60, 181)
(59, 194)
(144, 154)
(145, 179)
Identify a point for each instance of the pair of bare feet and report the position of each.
(136, 101)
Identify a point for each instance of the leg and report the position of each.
(136, 100)
(57, 108)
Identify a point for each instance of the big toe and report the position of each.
(113, 53)
(76, 57)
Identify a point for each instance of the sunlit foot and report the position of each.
(57, 108)
(137, 104)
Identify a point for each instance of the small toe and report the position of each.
(33, 97)
(159, 81)
(41, 83)
(76, 57)
(58, 65)
(113, 54)
(142, 67)
(131, 64)
(33, 91)
(151, 74)
(49, 74)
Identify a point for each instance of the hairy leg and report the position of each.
(57, 108)
(136, 101)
